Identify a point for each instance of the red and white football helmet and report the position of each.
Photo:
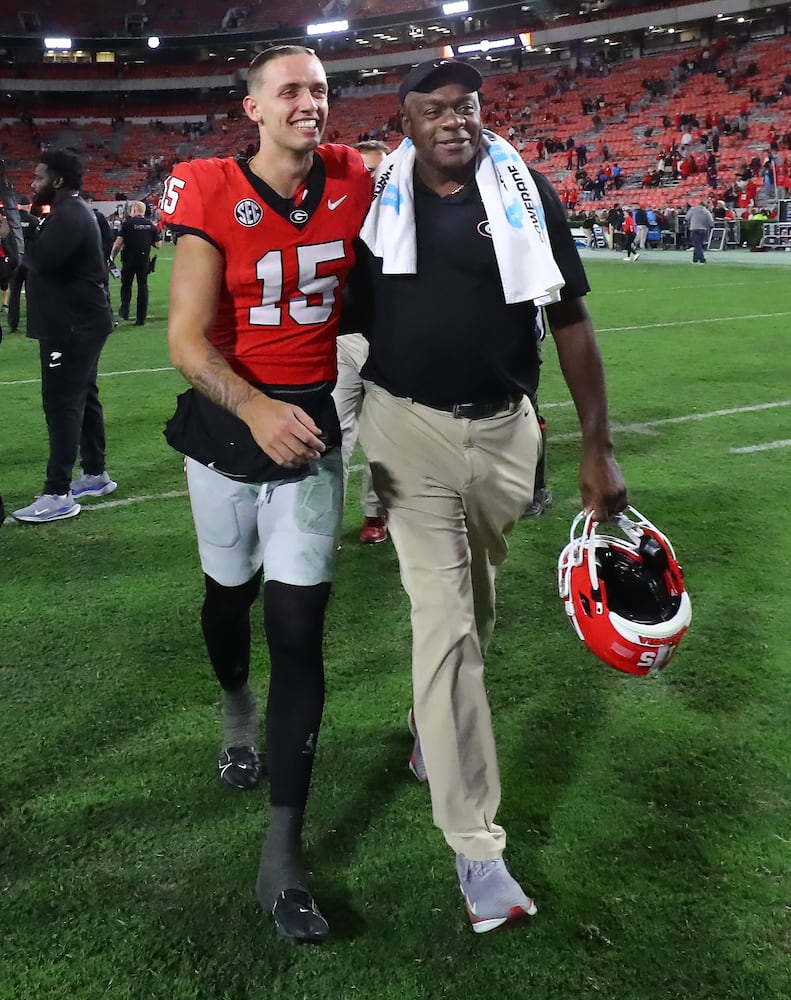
(624, 596)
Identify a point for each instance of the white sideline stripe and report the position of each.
(131, 371)
(678, 288)
(137, 371)
(128, 501)
(760, 447)
(690, 322)
(646, 427)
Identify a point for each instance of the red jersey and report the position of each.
(286, 261)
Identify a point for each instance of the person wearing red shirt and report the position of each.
(630, 233)
(263, 250)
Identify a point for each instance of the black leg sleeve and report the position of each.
(225, 618)
(294, 621)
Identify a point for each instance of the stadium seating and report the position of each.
(631, 118)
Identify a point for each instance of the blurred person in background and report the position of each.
(28, 224)
(68, 313)
(348, 392)
(135, 240)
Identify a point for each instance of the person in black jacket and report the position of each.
(28, 225)
(68, 313)
(9, 258)
(135, 239)
(104, 225)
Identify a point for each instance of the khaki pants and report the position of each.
(348, 396)
(453, 490)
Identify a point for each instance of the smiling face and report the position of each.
(288, 101)
(445, 126)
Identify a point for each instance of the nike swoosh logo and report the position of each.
(55, 366)
(230, 475)
(332, 205)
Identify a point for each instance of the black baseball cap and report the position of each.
(433, 73)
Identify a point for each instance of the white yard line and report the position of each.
(647, 427)
(769, 446)
(690, 322)
(131, 371)
(128, 501)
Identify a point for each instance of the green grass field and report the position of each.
(649, 818)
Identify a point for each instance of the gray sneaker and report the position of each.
(493, 896)
(93, 486)
(542, 500)
(416, 763)
(48, 507)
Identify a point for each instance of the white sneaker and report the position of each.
(48, 507)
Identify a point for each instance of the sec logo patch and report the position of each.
(248, 212)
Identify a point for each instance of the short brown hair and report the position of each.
(270, 54)
(372, 146)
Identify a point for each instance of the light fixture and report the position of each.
(57, 43)
(153, 42)
(327, 27)
(485, 45)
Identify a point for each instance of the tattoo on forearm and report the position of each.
(216, 380)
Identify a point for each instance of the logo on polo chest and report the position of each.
(485, 228)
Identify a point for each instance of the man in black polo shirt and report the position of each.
(451, 437)
(135, 239)
(68, 313)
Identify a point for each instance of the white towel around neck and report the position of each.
(513, 206)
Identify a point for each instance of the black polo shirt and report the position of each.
(445, 335)
(139, 235)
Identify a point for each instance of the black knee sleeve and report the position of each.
(225, 619)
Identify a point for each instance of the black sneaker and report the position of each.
(298, 918)
(240, 767)
(542, 500)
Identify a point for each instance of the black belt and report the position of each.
(475, 411)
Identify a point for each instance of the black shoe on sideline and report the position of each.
(298, 918)
(240, 767)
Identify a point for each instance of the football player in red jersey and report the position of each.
(264, 249)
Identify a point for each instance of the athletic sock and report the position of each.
(281, 856)
(240, 718)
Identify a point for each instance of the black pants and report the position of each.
(74, 415)
(14, 294)
(134, 266)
